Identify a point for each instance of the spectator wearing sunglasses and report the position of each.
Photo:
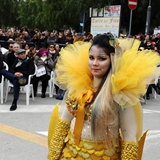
(51, 49)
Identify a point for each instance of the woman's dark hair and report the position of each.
(102, 41)
(30, 54)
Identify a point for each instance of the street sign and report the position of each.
(132, 4)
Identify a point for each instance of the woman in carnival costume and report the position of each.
(102, 119)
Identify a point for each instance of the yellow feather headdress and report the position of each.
(72, 72)
(133, 70)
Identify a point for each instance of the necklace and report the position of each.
(88, 113)
(89, 107)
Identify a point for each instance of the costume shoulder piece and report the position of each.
(132, 70)
(72, 68)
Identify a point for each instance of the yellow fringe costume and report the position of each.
(132, 71)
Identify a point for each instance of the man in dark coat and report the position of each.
(18, 74)
(12, 57)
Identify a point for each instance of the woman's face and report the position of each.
(26, 47)
(99, 62)
(34, 51)
(57, 47)
(51, 47)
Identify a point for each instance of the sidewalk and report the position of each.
(38, 105)
(47, 104)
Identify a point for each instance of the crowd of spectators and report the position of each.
(42, 47)
(44, 38)
(34, 40)
(150, 42)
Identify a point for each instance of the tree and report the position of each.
(29, 12)
(53, 14)
(8, 13)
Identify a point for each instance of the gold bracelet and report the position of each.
(57, 141)
(129, 151)
(72, 105)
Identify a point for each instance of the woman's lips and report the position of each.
(95, 70)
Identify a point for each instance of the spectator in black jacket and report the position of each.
(11, 57)
(10, 50)
(18, 74)
(52, 38)
(69, 39)
(61, 38)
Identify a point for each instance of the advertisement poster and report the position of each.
(109, 22)
(104, 25)
(112, 11)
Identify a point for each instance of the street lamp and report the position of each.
(148, 19)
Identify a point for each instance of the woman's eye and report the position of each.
(91, 57)
(102, 58)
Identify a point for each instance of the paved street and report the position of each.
(23, 133)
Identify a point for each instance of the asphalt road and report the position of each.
(23, 133)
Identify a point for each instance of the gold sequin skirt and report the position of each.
(89, 150)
